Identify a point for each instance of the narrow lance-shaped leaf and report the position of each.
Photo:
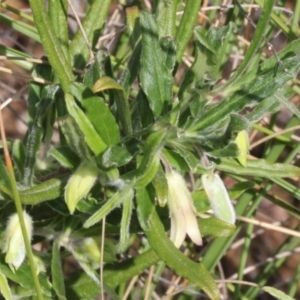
(156, 80)
(92, 23)
(258, 89)
(92, 138)
(48, 190)
(166, 250)
(276, 293)
(51, 44)
(112, 203)
(74, 137)
(259, 167)
(97, 110)
(57, 272)
(36, 132)
(125, 223)
(59, 20)
(4, 288)
(150, 161)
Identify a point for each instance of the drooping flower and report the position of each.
(218, 197)
(182, 211)
(14, 244)
(79, 184)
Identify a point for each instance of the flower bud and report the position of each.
(14, 244)
(80, 184)
(218, 197)
(182, 211)
(242, 141)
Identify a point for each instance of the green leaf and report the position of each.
(211, 45)
(150, 161)
(112, 203)
(156, 80)
(133, 25)
(23, 277)
(165, 15)
(256, 40)
(167, 252)
(132, 69)
(145, 207)
(83, 261)
(102, 119)
(36, 132)
(65, 156)
(168, 48)
(51, 44)
(82, 287)
(125, 223)
(144, 114)
(92, 138)
(215, 227)
(144, 174)
(116, 156)
(267, 106)
(276, 293)
(161, 187)
(4, 288)
(10, 52)
(20, 26)
(187, 23)
(176, 160)
(120, 97)
(74, 137)
(259, 167)
(261, 87)
(59, 20)
(57, 272)
(4, 177)
(201, 201)
(188, 156)
(269, 65)
(35, 90)
(239, 188)
(18, 155)
(97, 112)
(92, 23)
(48, 190)
(93, 73)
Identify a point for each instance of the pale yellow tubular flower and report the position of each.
(79, 184)
(14, 244)
(182, 211)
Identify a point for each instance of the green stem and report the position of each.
(187, 23)
(19, 209)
